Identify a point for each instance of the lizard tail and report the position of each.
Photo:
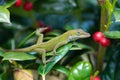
(28, 49)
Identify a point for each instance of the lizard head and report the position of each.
(76, 34)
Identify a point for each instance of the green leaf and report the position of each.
(79, 46)
(113, 34)
(19, 56)
(42, 70)
(3, 76)
(62, 69)
(80, 71)
(1, 52)
(112, 69)
(4, 15)
(9, 3)
(116, 14)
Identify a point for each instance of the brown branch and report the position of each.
(101, 2)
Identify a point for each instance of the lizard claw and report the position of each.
(47, 61)
(55, 53)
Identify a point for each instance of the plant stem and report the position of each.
(101, 50)
(43, 77)
(104, 19)
(100, 58)
(105, 23)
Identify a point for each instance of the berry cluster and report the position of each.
(100, 38)
(27, 5)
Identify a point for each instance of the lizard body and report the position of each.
(61, 40)
(53, 44)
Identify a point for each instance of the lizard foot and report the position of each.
(55, 53)
(47, 61)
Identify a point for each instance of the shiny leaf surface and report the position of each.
(113, 34)
(62, 69)
(79, 46)
(117, 15)
(18, 56)
(80, 71)
(4, 15)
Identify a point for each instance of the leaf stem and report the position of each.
(100, 58)
(43, 77)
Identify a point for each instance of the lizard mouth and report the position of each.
(72, 38)
(84, 35)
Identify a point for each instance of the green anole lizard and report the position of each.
(55, 43)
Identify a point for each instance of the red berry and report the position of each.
(105, 42)
(97, 36)
(18, 3)
(96, 78)
(48, 29)
(28, 6)
(41, 24)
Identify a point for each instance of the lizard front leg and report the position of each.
(40, 39)
(58, 45)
